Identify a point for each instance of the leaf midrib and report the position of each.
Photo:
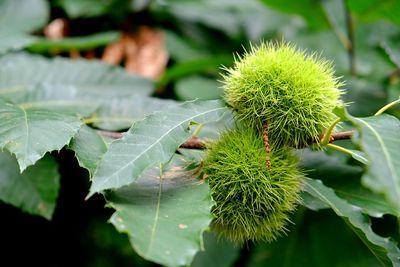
(153, 229)
(27, 134)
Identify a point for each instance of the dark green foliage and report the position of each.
(251, 203)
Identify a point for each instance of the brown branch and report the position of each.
(192, 143)
(197, 143)
(341, 136)
(113, 135)
(266, 145)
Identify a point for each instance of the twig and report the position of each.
(192, 143)
(266, 145)
(350, 33)
(341, 136)
(113, 135)
(197, 143)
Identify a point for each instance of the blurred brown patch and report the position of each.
(57, 29)
(114, 53)
(144, 53)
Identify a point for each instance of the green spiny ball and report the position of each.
(251, 203)
(293, 92)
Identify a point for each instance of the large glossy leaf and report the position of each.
(31, 132)
(383, 248)
(34, 191)
(23, 15)
(150, 142)
(380, 139)
(89, 148)
(164, 213)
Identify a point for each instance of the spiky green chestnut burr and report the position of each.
(293, 92)
(251, 203)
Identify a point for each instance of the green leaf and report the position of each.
(34, 191)
(314, 239)
(197, 87)
(89, 148)
(310, 10)
(345, 179)
(232, 17)
(376, 9)
(13, 41)
(81, 77)
(379, 138)
(150, 142)
(195, 66)
(359, 156)
(324, 42)
(392, 52)
(17, 19)
(59, 98)
(373, 64)
(93, 8)
(41, 45)
(366, 96)
(370, 203)
(23, 15)
(78, 86)
(383, 248)
(120, 113)
(164, 213)
(31, 132)
(218, 252)
(181, 49)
